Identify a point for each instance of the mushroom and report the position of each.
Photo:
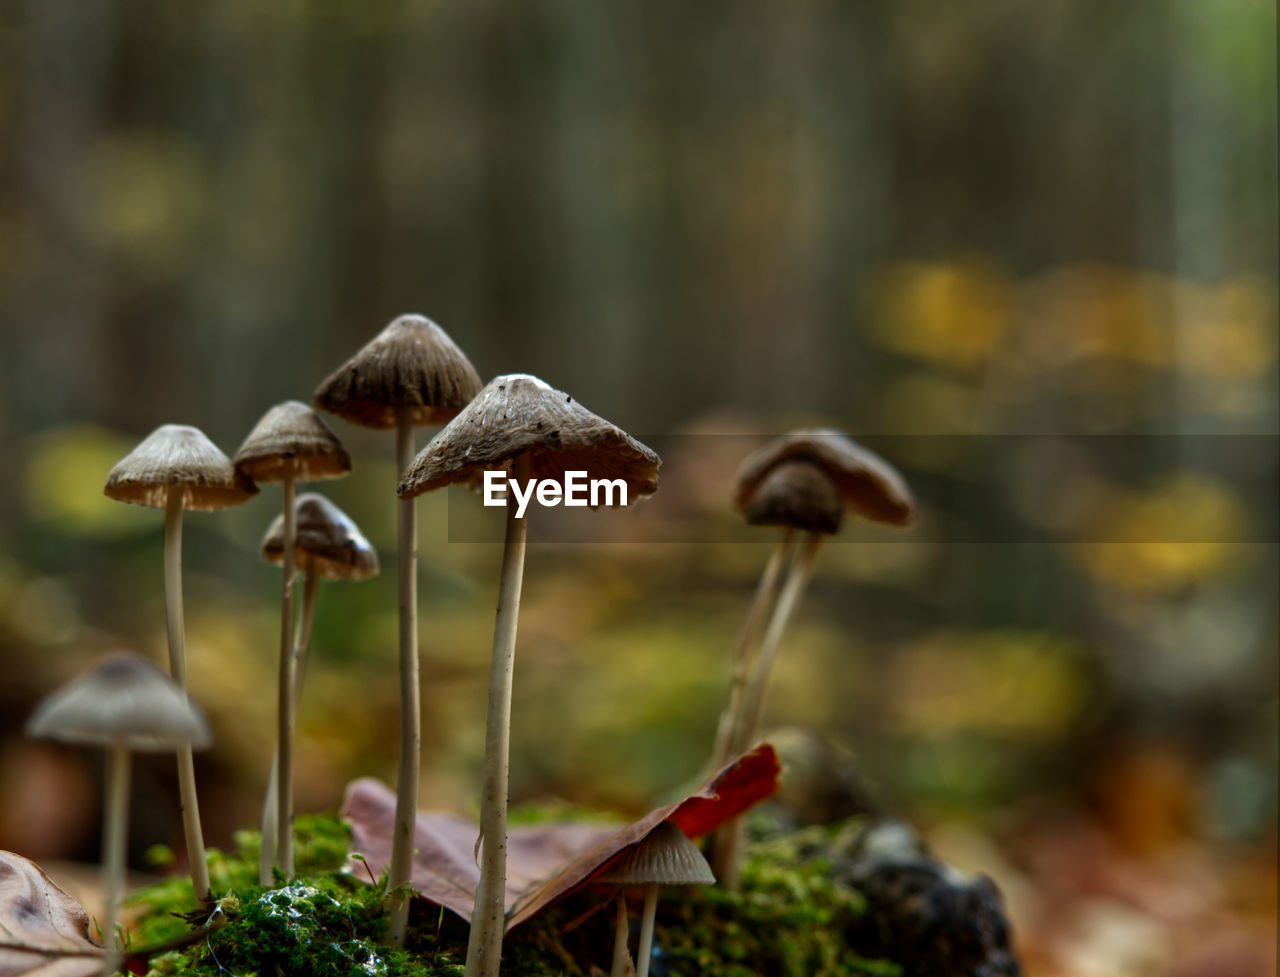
(410, 374)
(802, 482)
(125, 704)
(329, 546)
(177, 467)
(517, 422)
(289, 444)
(664, 857)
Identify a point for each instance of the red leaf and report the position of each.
(43, 931)
(544, 862)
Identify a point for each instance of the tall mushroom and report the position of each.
(124, 705)
(289, 444)
(802, 482)
(329, 546)
(177, 467)
(519, 424)
(410, 374)
(664, 857)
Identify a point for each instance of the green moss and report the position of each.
(788, 921)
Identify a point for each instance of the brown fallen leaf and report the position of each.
(544, 862)
(43, 931)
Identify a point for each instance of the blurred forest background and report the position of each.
(1028, 251)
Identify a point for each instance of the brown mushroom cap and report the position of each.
(329, 542)
(178, 458)
(664, 857)
(868, 484)
(125, 700)
(798, 494)
(412, 363)
(292, 430)
(518, 414)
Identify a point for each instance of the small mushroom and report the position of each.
(801, 482)
(175, 468)
(664, 857)
(410, 374)
(124, 705)
(290, 444)
(517, 423)
(329, 546)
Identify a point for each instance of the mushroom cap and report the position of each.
(799, 494)
(126, 701)
(292, 430)
(412, 363)
(519, 414)
(329, 542)
(178, 458)
(868, 484)
(664, 857)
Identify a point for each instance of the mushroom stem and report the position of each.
(797, 579)
(301, 647)
(727, 732)
(645, 950)
(484, 946)
(399, 872)
(285, 694)
(178, 669)
(114, 843)
(620, 954)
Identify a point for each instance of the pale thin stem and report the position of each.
(645, 950)
(401, 867)
(727, 732)
(115, 833)
(178, 668)
(620, 954)
(727, 850)
(285, 693)
(488, 919)
(301, 649)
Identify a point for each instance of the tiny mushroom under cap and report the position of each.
(125, 700)
(178, 458)
(798, 494)
(329, 542)
(292, 430)
(412, 363)
(868, 484)
(519, 414)
(664, 857)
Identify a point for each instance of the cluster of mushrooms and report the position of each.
(411, 375)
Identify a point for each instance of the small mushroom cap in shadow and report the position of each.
(798, 494)
(125, 701)
(869, 485)
(329, 542)
(664, 857)
(292, 430)
(178, 458)
(412, 363)
(519, 414)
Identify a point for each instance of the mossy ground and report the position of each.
(789, 920)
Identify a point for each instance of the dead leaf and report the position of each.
(544, 862)
(39, 924)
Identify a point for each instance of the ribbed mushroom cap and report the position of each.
(518, 414)
(798, 494)
(178, 458)
(125, 700)
(868, 484)
(412, 363)
(664, 857)
(329, 543)
(292, 430)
